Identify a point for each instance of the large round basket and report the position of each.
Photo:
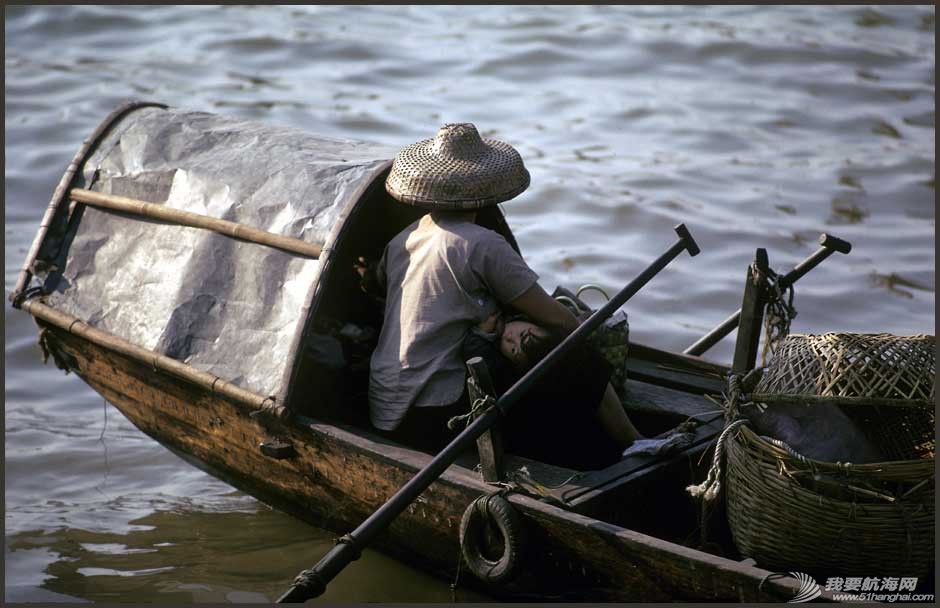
(792, 513)
(827, 519)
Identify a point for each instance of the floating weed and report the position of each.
(846, 212)
(850, 181)
(894, 282)
(928, 22)
(883, 128)
(872, 18)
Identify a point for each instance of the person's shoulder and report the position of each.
(468, 235)
(482, 237)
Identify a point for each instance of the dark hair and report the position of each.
(536, 346)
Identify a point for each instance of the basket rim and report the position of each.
(913, 465)
(848, 400)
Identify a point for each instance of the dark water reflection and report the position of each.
(756, 126)
(184, 556)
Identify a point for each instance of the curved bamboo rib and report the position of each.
(195, 220)
(58, 196)
(155, 360)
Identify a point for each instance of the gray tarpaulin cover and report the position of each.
(228, 307)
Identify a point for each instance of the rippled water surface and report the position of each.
(757, 127)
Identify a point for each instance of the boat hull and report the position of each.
(337, 476)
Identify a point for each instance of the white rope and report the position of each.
(712, 484)
(786, 448)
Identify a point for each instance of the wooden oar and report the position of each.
(829, 245)
(312, 583)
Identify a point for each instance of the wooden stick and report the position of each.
(196, 220)
(752, 314)
(490, 443)
(155, 360)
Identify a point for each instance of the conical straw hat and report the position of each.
(457, 169)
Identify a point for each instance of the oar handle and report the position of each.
(685, 237)
(829, 244)
(312, 583)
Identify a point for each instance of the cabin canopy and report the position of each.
(226, 306)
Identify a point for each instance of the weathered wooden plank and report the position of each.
(677, 360)
(643, 397)
(599, 488)
(671, 370)
(490, 443)
(752, 314)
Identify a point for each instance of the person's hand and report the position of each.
(491, 323)
(368, 276)
(361, 266)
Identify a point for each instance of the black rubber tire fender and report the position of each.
(510, 526)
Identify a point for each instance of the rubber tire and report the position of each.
(507, 520)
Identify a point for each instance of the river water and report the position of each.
(756, 126)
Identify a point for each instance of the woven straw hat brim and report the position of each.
(492, 174)
(439, 202)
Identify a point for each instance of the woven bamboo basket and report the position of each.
(853, 365)
(884, 383)
(827, 519)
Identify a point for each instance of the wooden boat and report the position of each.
(295, 435)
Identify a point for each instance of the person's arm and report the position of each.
(545, 310)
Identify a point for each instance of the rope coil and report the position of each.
(710, 488)
(780, 312)
(477, 408)
(310, 582)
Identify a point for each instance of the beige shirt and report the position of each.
(441, 274)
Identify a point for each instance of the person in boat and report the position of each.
(573, 417)
(442, 275)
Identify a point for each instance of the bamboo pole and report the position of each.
(155, 360)
(195, 220)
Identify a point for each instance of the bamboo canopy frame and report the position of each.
(195, 220)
